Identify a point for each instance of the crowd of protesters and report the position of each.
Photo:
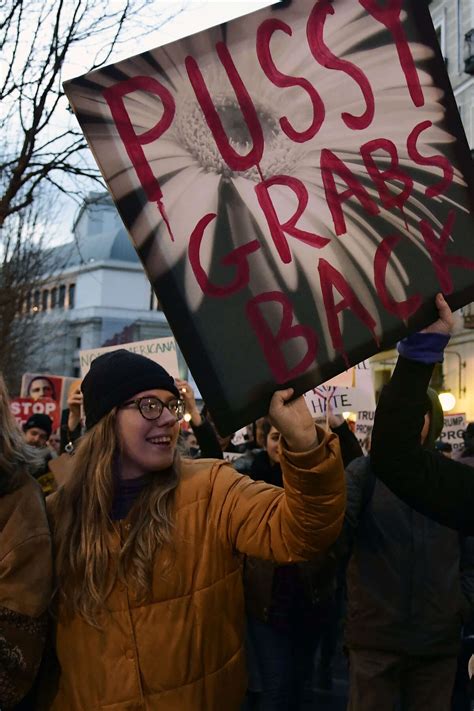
(186, 582)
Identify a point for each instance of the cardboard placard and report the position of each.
(453, 429)
(161, 350)
(23, 408)
(45, 385)
(297, 184)
(339, 400)
(363, 428)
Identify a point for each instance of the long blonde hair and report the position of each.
(16, 457)
(83, 530)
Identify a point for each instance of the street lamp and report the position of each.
(447, 400)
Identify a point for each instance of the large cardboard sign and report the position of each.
(161, 350)
(297, 184)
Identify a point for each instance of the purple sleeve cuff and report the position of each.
(424, 347)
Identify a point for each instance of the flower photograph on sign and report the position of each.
(295, 183)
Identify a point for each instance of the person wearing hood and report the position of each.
(410, 587)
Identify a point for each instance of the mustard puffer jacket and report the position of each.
(183, 649)
(26, 578)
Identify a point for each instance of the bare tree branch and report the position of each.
(37, 36)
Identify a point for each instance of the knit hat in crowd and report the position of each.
(42, 422)
(116, 377)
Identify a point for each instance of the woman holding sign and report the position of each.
(150, 611)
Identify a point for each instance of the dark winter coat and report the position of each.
(271, 591)
(434, 485)
(410, 581)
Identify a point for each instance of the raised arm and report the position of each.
(306, 517)
(205, 435)
(432, 484)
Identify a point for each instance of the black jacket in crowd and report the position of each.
(273, 593)
(410, 581)
(436, 486)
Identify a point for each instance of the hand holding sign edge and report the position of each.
(445, 322)
(293, 420)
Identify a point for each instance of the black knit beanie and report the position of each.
(42, 422)
(116, 377)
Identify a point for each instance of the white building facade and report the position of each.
(454, 24)
(98, 295)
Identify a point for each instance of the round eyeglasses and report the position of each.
(151, 407)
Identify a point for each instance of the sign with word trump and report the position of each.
(298, 187)
(453, 430)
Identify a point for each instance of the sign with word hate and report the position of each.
(297, 184)
(322, 399)
(161, 350)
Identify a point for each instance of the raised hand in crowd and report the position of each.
(74, 403)
(206, 436)
(446, 321)
(187, 394)
(293, 420)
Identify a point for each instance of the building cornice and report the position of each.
(466, 84)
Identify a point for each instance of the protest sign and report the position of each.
(297, 184)
(339, 400)
(46, 385)
(23, 407)
(363, 428)
(161, 350)
(242, 436)
(453, 428)
(40, 385)
(359, 377)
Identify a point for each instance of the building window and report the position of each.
(440, 29)
(71, 295)
(28, 302)
(54, 297)
(44, 299)
(78, 342)
(76, 371)
(62, 296)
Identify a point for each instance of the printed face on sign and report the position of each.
(41, 387)
(293, 186)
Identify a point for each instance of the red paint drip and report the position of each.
(163, 214)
